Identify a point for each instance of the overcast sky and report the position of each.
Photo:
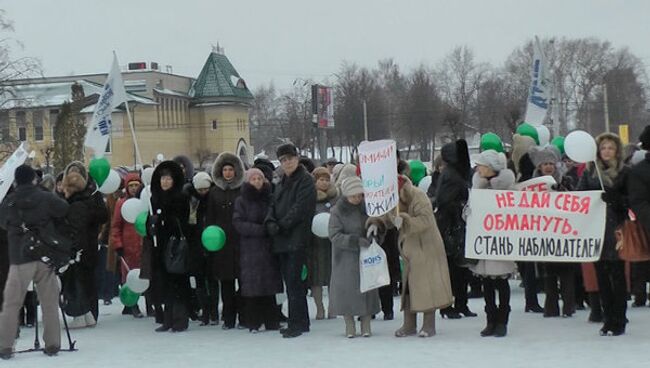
(280, 40)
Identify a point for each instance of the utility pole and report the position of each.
(606, 107)
(365, 121)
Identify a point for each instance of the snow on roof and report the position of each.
(166, 91)
(53, 94)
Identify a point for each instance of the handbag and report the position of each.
(176, 252)
(632, 242)
(373, 267)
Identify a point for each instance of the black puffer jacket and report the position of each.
(292, 210)
(638, 188)
(39, 209)
(453, 186)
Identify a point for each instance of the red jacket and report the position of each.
(123, 234)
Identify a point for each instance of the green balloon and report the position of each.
(128, 297)
(558, 142)
(141, 223)
(418, 171)
(99, 169)
(213, 238)
(491, 141)
(528, 130)
(304, 272)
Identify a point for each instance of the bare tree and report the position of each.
(459, 77)
(12, 67)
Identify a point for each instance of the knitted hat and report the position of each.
(321, 172)
(202, 180)
(644, 138)
(548, 154)
(351, 186)
(286, 150)
(24, 174)
(74, 183)
(252, 172)
(492, 159)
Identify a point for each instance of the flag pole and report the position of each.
(135, 140)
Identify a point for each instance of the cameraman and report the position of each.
(32, 206)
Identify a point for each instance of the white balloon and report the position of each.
(580, 146)
(543, 134)
(145, 198)
(146, 175)
(131, 209)
(425, 183)
(320, 225)
(112, 183)
(135, 283)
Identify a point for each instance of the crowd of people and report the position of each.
(266, 214)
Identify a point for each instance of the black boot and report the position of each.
(450, 313)
(501, 328)
(596, 314)
(491, 314)
(180, 316)
(167, 318)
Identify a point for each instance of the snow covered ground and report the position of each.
(532, 341)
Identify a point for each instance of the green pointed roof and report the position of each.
(220, 82)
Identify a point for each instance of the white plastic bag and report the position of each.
(373, 267)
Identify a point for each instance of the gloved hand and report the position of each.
(272, 228)
(120, 252)
(372, 231)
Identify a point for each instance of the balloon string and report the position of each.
(600, 177)
(125, 265)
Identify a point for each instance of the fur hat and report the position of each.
(24, 174)
(74, 183)
(321, 172)
(252, 172)
(521, 144)
(494, 160)
(202, 180)
(644, 138)
(286, 150)
(351, 186)
(544, 155)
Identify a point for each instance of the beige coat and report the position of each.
(425, 276)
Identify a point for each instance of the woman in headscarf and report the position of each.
(259, 270)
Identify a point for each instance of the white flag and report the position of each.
(113, 94)
(7, 172)
(539, 92)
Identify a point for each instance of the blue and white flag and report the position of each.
(540, 88)
(113, 94)
(8, 169)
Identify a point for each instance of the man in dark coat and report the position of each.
(452, 194)
(289, 223)
(228, 177)
(33, 207)
(638, 184)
